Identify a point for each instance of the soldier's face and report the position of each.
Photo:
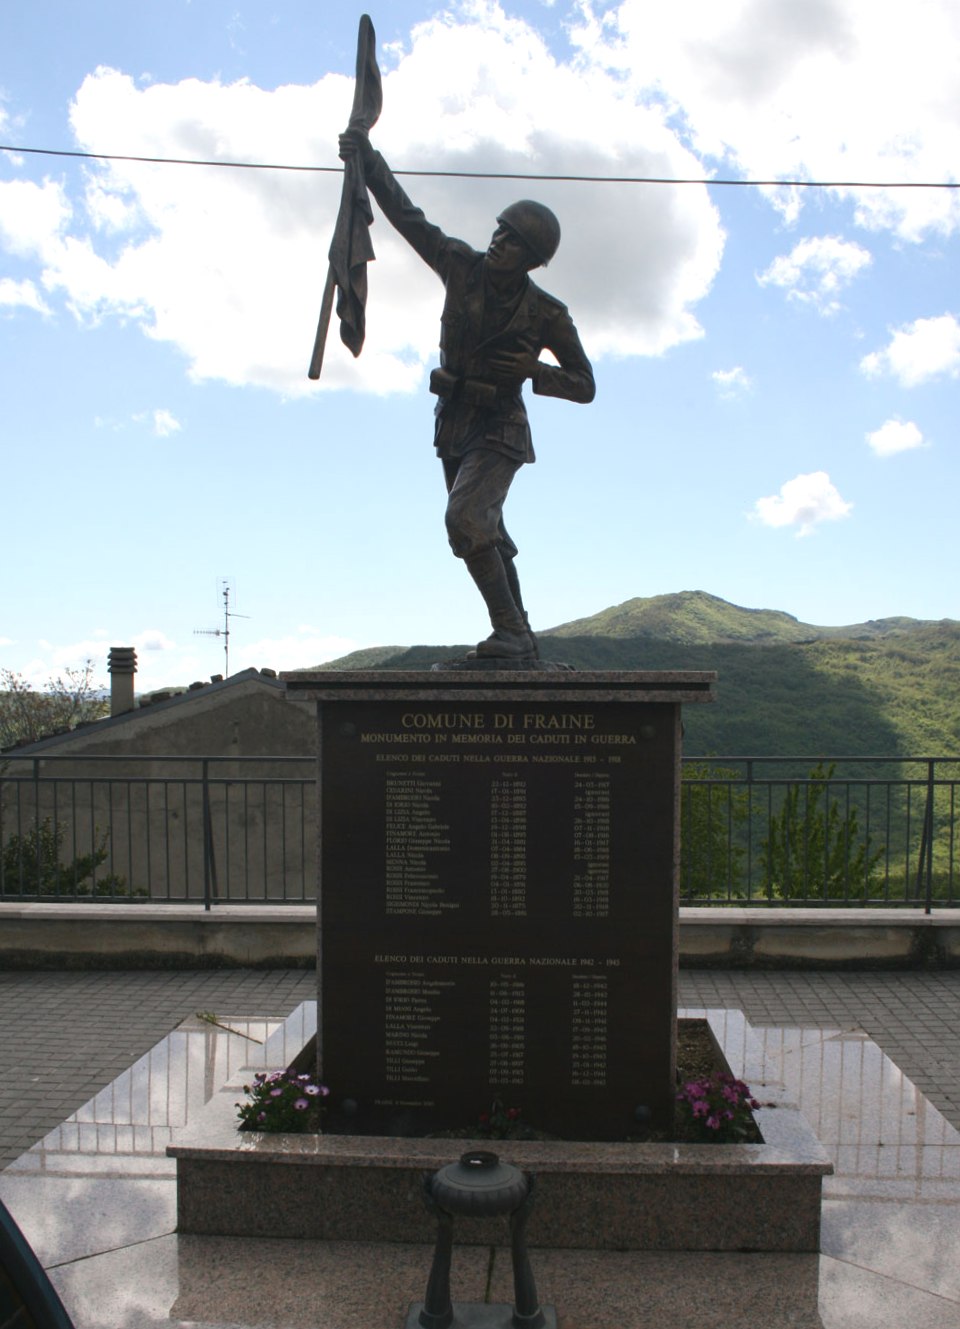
(507, 254)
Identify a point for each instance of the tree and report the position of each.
(711, 811)
(68, 700)
(814, 848)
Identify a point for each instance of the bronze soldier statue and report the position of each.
(495, 323)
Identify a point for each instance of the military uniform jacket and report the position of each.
(470, 329)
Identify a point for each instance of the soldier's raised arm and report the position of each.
(427, 239)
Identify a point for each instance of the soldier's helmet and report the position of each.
(536, 226)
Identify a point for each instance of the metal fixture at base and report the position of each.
(481, 1315)
(480, 1186)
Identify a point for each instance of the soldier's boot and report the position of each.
(513, 581)
(511, 637)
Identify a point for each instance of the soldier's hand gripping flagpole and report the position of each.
(350, 248)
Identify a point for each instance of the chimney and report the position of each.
(122, 663)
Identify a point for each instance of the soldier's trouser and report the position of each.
(477, 485)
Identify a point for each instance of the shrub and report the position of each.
(814, 847)
(32, 866)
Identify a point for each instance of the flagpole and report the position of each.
(323, 326)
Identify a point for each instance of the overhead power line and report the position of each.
(495, 175)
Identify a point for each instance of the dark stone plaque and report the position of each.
(498, 911)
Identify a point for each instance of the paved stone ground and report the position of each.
(64, 1035)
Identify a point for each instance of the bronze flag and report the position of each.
(350, 248)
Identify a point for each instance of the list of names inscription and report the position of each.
(498, 913)
(417, 844)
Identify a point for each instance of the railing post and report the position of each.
(208, 864)
(38, 849)
(926, 842)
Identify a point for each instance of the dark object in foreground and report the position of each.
(479, 1186)
(28, 1300)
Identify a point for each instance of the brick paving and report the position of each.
(64, 1035)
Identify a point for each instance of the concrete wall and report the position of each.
(95, 936)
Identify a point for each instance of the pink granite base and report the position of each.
(751, 1197)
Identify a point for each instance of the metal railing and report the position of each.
(757, 831)
(831, 831)
(165, 829)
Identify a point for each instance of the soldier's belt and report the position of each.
(476, 391)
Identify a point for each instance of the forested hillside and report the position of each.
(882, 688)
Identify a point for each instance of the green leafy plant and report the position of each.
(32, 865)
(814, 847)
(712, 810)
(282, 1101)
(719, 1108)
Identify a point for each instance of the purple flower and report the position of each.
(261, 1116)
(713, 1122)
(275, 1093)
(301, 1104)
(312, 1090)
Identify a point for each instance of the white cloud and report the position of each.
(821, 90)
(297, 650)
(161, 660)
(161, 422)
(22, 294)
(32, 217)
(165, 423)
(918, 351)
(152, 639)
(895, 436)
(804, 502)
(228, 266)
(732, 382)
(52, 660)
(816, 270)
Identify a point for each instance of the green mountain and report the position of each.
(694, 617)
(888, 687)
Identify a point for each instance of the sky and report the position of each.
(777, 367)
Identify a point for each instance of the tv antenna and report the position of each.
(224, 588)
